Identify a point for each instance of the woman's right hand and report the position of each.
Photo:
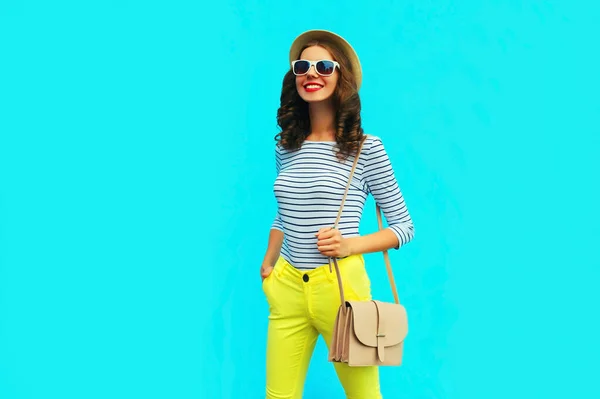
(270, 259)
(265, 270)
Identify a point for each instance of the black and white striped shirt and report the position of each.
(309, 187)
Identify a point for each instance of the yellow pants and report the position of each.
(302, 305)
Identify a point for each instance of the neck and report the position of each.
(322, 121)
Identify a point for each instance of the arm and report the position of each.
(375, 242)
(331, 243)
(275, 242)
(275, 236)
(273, 248)
(381, 183)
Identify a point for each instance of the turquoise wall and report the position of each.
(136, 170)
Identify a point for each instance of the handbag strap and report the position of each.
(339, 214)
(379, 222)
(386, 258)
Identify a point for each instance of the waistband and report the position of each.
(283, 268)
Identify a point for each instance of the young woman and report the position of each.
(320, 134)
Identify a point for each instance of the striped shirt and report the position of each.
(309, 187)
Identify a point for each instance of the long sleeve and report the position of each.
(277, 223)
(381, 183)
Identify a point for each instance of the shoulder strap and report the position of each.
(379, 221)
(386, 258)
(339, 215)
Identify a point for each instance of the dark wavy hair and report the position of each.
(293, 117)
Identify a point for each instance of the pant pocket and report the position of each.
(266, 281)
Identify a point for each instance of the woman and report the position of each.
(320, 134)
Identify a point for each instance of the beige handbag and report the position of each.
(368, 333)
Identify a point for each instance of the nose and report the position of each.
(312, 71)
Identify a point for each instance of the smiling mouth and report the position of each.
(312, 87)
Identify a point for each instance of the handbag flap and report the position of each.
(375, 321)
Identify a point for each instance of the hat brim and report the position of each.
(337, 40)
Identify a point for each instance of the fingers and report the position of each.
(328, 248)
(331, 241)
(325, 232)
(329, 238)
(333, 253)
(328, 232)
(265, 271)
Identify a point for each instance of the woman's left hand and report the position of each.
(331, 243)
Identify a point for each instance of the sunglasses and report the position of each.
(323, 67)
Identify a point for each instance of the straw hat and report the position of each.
(337, 40)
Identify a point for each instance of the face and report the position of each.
(313, 87)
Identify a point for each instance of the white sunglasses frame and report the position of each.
(314, 63)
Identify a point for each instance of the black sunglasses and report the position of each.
(323, 67)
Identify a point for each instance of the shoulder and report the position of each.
(371, 138)
(279, 149)
(283, 153)
(373, 144)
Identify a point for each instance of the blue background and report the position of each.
(136, 169)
